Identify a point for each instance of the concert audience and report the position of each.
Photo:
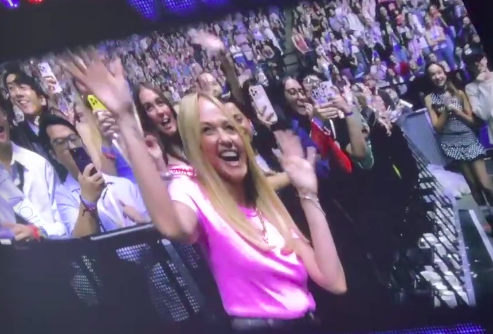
(192, 151)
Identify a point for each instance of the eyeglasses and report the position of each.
(71, 141)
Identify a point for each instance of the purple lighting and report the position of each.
(11, 4)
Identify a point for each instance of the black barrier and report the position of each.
(127, 281)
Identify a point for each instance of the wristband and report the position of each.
(351, 113)
(36, 232)
(90, 206)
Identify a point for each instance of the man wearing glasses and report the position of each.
(89, 201)
(36, 179)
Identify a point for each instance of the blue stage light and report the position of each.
(11, 4)
(146, 8)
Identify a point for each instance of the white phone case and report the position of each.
(260, 99)
(47, 74)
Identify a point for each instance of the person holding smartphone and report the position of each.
(89, 201)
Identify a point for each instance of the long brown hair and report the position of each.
(167, 143)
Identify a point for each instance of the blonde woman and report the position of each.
(259, 259)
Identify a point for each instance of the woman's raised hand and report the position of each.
(300, 169)
(211, 43)
(110, 87)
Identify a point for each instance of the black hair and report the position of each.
(449, 84)
(49, 120)
(21, 78)
(151, 128)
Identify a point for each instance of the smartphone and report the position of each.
(261, 100)
(322, 93)
(95, 103)
(82, 159)
(49, 80)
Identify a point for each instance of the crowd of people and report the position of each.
(276, 192)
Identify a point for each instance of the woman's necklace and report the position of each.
(265, 238)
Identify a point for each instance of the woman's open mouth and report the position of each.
(166, 121)
(232, 157)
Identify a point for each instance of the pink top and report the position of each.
(252, 282)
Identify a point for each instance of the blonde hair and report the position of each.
(266, 201)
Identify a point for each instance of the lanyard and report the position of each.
(20, 172)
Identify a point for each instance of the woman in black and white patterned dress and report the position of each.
(452, 118)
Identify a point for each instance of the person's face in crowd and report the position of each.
(158, 111)
(209, 84)
(383, 11)
(476, 39)
(466, 21)
(295, 96)
(63, 139)
(4, 129)
(390, 73)
(332, 12)
(24, 97)
(458, 51)
(378, 103)
(413, 65)
(378, 61)
(437, 75)
(238, 116)
(393, 59)
(221, 143)
(482, 65)
(433, 58)
(370, 82)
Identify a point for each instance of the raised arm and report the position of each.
(175, 220)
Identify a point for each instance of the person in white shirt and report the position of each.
(27, 96)
(89, 203)
(37, 181)
(480, 91)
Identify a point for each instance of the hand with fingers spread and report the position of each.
(211, 43)
(110, 87)
(300, 169)
(91, 186)
(131, 213)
